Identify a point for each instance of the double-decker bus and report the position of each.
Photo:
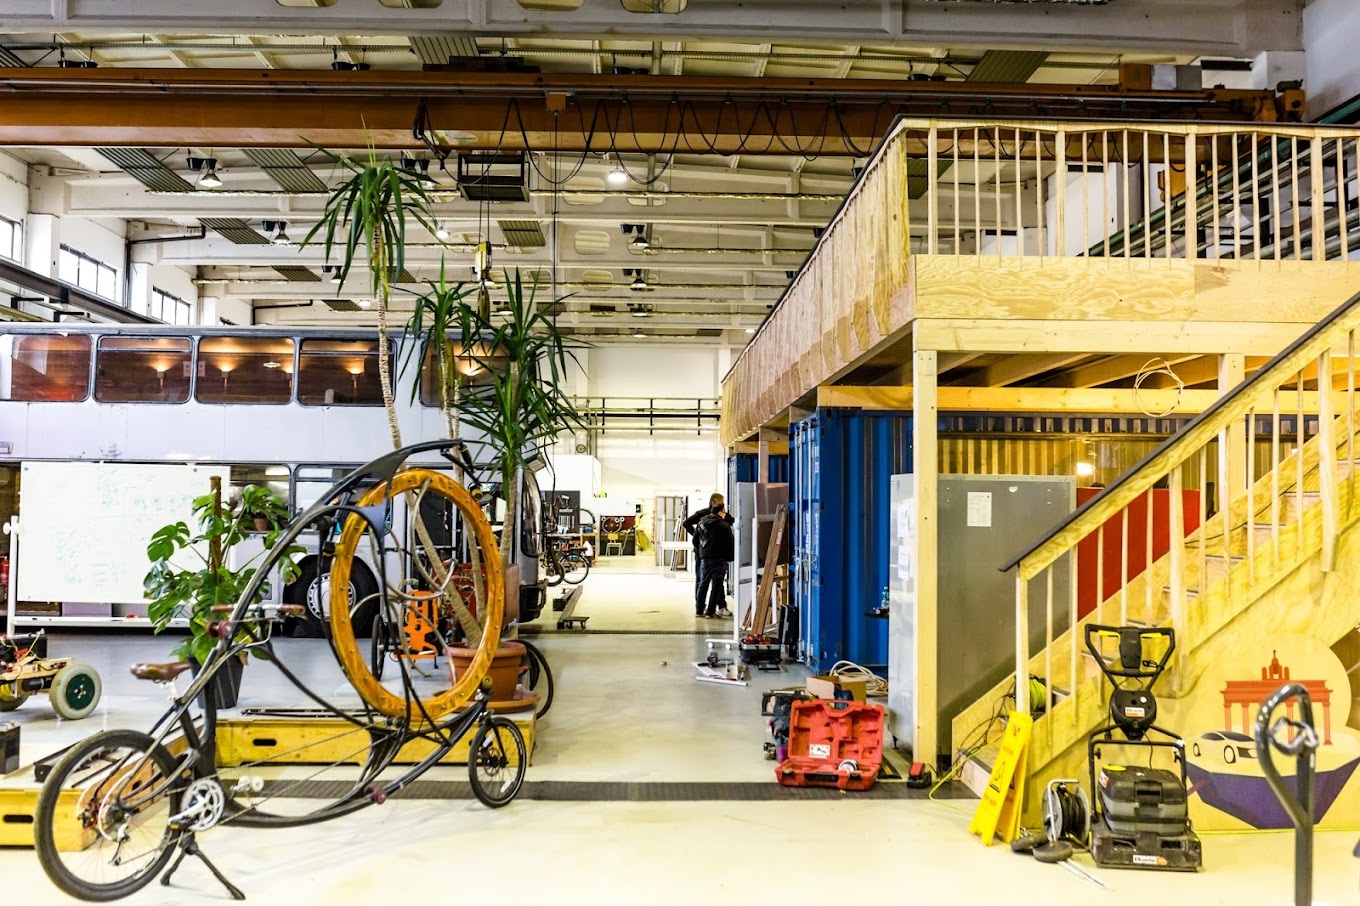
(288, 408)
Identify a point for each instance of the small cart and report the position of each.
(25, 669)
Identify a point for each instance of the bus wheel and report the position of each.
(312, 589)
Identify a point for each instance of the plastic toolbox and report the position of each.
(1143, 800)
(833, 743)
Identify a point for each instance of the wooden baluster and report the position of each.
(1326, 450)
(1342, 203)
(1275, 194)
(1022, 703)
(932, 193)
(1275, 466)
(1147, 195)
(957, 231)
(1176, 529)
(1060, 205)
(1299, 437)
(1048, 638)
(996, 189)
(1149, 615)
(1296, 203)
(1318, 218)
(1214, 201)
(1167, 199)
(1072, 634)
(1019, 198)
(1105, 190)
(1192, 195)
(1101, 594)
(1251, 496)
(1255, 199)
(1203, 516)
(1128, 211)
(1085, 197)
(1350, 420)
(1039, 193)
(1124, 566)
(977, 192)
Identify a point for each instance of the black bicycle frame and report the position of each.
(1303, 749)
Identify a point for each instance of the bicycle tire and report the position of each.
(378, 647)
(355, 663)
(554, 570)
(539, 671)
(570, 567)
(52, 823)
(498, 749)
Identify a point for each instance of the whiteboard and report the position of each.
(84, 526)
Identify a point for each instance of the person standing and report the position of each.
(691, 526)
(717, 547)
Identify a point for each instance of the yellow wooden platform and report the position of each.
(243, 740)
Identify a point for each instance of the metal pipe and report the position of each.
(452, 195)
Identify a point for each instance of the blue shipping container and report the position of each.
(842, 462)
(741, 469)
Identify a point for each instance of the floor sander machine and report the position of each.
(1137, 816)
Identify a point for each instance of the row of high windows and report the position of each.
(54, 367)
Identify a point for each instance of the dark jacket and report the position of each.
(715, 539)
(691, 524)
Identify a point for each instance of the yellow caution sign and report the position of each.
(999, 812)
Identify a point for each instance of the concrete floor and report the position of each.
(628, 709)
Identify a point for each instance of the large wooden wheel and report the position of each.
(490, 606)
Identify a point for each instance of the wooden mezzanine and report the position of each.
(1038, 267)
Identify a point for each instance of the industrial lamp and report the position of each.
(206, 167)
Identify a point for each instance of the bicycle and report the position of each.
(567, 564)
(123, 807)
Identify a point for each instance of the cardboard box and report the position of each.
(825, 686)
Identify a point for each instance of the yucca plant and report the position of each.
(365, 217)
(523, 406)
(437, 313)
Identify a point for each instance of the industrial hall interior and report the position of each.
(572, 444)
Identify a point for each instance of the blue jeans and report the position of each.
(709, 596)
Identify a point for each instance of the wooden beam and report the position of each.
(1022, 367)
(1116, 368)
(1115, 336)
(1089, 401)
(777, 448)
(925, 618)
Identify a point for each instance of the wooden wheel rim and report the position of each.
(491, 610)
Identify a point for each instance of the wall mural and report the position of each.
(1228, 789)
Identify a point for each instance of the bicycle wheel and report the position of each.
(378, 647)
(540, 677)
(497, 762)
(554, 569)
(433, 703)
(102, 822)
(575, 568)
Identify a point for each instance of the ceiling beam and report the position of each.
(351, 109)
(1116, 368)
(1023, 367)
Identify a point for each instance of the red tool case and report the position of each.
(824, 735)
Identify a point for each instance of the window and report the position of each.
(79, 269)
(11, 245)
(142, 370)
(44, 367)
(245, 370)
(274, 477)
(470, 373)
(170, 309)
(339, 373)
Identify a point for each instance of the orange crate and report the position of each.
(824, 736)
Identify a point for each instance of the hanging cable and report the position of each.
(1152, 368)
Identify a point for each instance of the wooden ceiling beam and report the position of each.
(1107, 371)
(1023, 367)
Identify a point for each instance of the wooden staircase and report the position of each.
(1283, 556)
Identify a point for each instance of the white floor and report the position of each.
(628, 709)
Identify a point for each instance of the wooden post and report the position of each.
(1232, 456)
(1327, 455)
(924, 486)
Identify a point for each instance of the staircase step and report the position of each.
(1290, 504)
(977, 770)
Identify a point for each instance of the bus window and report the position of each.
(531, 516)
(339, 373)
(45, 368)
(275, 478)
(142, 370)
(245, 370)
(470, 373)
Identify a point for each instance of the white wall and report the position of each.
(662, 371)
(13, 188)
(1330, 28)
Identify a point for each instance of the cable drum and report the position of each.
(1067, 812)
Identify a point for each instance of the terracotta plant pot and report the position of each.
(505, 666)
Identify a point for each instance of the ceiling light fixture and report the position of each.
(638, 310)
(333, 270)
(639, 283)
(206, 167)
(639, 335)
(750, 330)
(364, 303)
(420, 168)
(272, 364)
(641, 243)
(441, 232)
(618, 176)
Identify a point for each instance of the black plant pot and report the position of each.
(225, 684)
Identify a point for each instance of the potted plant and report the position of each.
(263, 508)
(192, 591)
(519, 406)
